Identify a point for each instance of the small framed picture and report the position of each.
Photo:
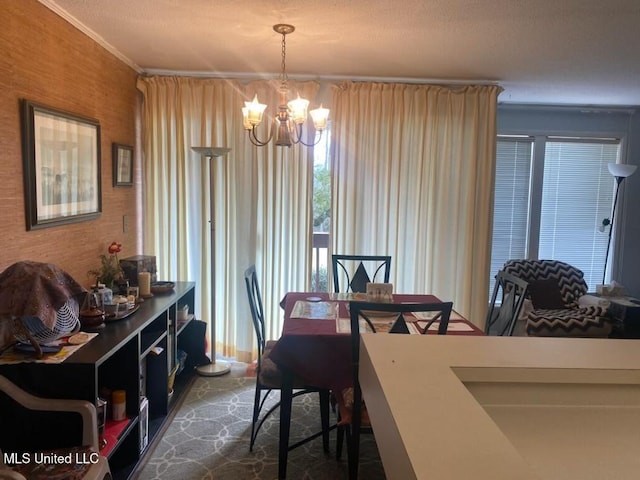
(122, 165)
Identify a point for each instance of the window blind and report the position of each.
(577, 194)
(511, 202)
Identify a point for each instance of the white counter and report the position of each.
(454, 407)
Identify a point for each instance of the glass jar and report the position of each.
(105, 295)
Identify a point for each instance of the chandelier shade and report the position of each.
(291, 115)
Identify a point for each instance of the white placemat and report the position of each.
(343, 325)
(452, 327)
(315, 310)
(429, 315)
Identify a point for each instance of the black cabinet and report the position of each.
(626, 311)
(137, 354)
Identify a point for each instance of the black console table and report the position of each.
(136, 354)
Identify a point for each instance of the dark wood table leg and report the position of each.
(286, 396)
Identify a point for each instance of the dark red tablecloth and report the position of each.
(315, 352)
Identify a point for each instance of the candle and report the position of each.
(144, 283)
(118, 405)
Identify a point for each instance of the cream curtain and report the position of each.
(413, 175)
(261, 196)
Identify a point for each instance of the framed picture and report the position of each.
(122, 165)
(61, 155)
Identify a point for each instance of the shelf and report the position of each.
(181, 384)
(114, 432)
(148, 341)
(184, 323)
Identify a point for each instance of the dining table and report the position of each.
(315, 346)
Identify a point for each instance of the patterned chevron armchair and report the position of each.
(554, 289)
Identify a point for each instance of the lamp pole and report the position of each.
(620, 172)
(214, 368)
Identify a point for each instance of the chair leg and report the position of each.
(353, 448)
(324, 418)
(286, 397)
(256, 412)
(339, 441)
(353, 435)
(352, 461)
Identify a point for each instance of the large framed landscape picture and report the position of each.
(61, 155)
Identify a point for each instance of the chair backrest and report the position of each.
(351, 273)
(570, 279)
(255, 304)
(52, 411)
(369, 311)
(507, 299)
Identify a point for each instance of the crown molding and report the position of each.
(55, 8)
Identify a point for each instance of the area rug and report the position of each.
(209, 439)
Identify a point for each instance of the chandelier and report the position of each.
(287, 124)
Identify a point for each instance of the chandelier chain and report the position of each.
(283, 66)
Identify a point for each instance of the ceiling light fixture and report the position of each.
(287, 124)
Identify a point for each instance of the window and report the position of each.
(321, 212)
(577, 193)
(511, 202)
(551, 195)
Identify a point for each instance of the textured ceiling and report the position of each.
(540, 51)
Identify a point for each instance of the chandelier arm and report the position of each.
(298, 137)
(254, 138)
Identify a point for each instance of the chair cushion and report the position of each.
(270, 375)
(578, 322)
(545, 294)
(345, 407)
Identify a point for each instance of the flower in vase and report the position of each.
(110, 271)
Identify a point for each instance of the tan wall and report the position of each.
(46, 60)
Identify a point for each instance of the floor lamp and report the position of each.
(620, 172)
(214, 368)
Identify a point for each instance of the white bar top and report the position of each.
(461, 407)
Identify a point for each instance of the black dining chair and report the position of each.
(269, 377)
(509, 293)
(376, 318)
(351, 273)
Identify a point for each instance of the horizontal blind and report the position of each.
(577, 194)
(511, 202)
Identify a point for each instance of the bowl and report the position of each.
(111, 308)
(162, 287)
(183, 313)
(92, 318)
